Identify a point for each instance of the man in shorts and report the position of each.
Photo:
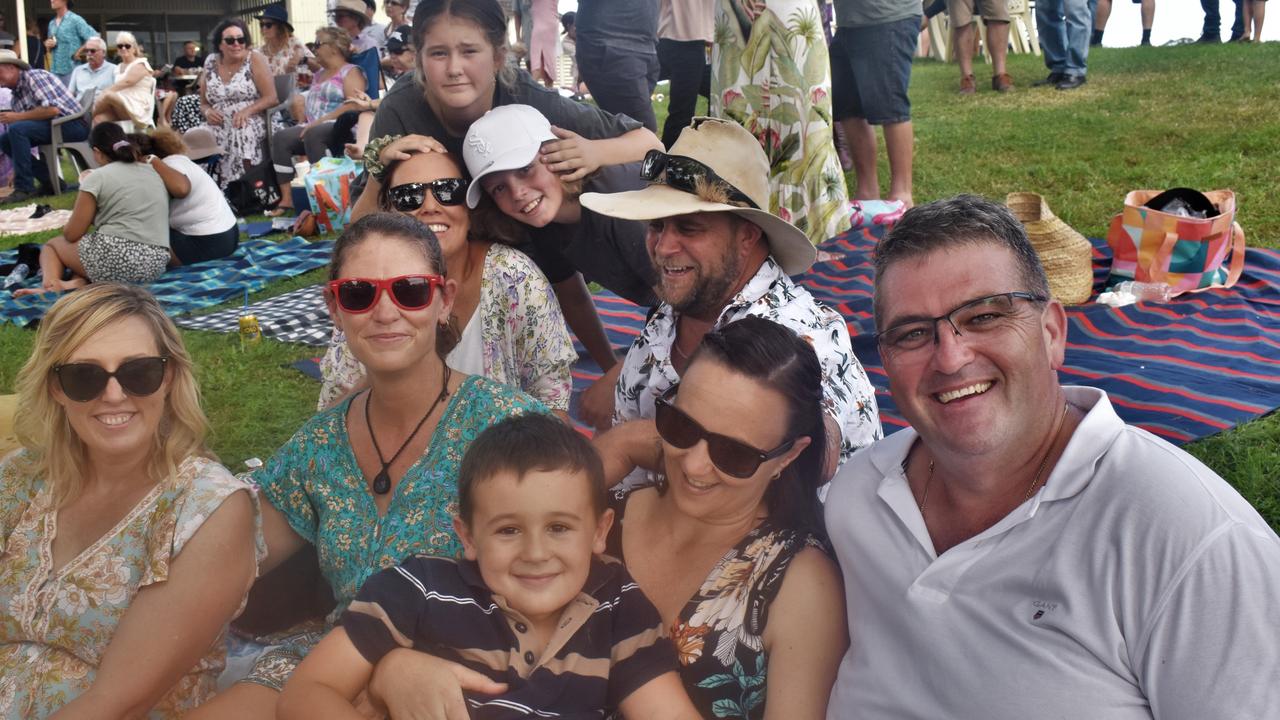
(995, 13)
(870, 71)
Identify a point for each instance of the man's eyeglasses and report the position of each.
(91, 51)
(85, 381)
(410, 196)
(683, 173)
(983, 315)
(732, 457)
(408, 292)
(235, 40)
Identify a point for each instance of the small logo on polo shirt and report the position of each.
(1042, 607)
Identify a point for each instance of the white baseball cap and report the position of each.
(505, 138)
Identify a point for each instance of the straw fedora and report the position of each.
(201, 143)
(736, 156)
(354, 7)
(9, 57)
(1067, 256)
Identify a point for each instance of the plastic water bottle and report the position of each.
(20, 272)
(1145, 291)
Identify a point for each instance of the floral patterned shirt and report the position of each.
(526, 342)
(648, 372)
(719, 635)
(55, 624)
(315, 481)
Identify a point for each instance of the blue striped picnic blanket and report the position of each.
(1183, 370)
(192, 287)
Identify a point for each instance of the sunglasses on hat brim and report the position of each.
(84, 381)
(732, 457)
(683, 173)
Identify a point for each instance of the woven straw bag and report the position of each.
(1067, 255)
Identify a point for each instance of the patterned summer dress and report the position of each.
(315, 481)
(719, 634)
(55, 624)
(238, 144)
(771, 73)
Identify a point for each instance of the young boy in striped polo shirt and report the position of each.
(534, 605)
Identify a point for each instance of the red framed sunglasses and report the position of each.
(408, 292)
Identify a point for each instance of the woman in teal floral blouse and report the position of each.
(372, 479)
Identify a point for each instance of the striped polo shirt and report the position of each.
(609, 641)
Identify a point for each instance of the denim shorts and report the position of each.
(871, 69)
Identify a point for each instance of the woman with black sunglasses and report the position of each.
(728, 543)
(372, 480)
(235, 89)
(508, 322)
(127, 548)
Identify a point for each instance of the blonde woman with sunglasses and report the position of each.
(133, 95)
(127, 548)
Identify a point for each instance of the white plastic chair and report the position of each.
(80, 148)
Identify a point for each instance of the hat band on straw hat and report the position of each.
(689, 175)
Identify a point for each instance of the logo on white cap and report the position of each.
(479, 144)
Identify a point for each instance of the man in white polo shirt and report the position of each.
(1020, 551)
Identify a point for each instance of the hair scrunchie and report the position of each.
(120, 145)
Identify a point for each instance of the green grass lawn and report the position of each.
(1199, 116)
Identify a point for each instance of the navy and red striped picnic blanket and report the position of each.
(1184, 370)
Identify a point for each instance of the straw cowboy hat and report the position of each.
(9, 57)
(354, 7)
(730, 152)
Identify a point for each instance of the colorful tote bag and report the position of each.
(329, 192)
(1188, 254)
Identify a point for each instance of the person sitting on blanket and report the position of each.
(533, 519)
(509, 325)
(1075, 565)
(128, 548)
(501, 151)
(202, 225)
(372, 480)
(126, 203)
(721, 256)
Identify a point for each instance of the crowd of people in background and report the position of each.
(738, 539)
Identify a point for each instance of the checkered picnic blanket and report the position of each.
(192, 287)
(295, 317)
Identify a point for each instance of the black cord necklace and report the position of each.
(382, 481)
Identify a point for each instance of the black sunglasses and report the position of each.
(266, 24)
(235, 39)
(408, 292)
(733, 457)
(83, 382)
(123, 46)
(683, 173)
(410, 196)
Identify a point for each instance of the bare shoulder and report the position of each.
(811, 589)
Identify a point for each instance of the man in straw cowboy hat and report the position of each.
(719, 256)
(38, 98)
(1036, 554)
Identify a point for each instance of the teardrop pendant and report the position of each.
(382, 482)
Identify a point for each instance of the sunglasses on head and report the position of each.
(123, 46)
(732, 457)
(410, 196)
(408, 292)
(235, 39)
(683, 173)
(83, 382)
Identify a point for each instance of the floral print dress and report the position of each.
(238, 144)
(56, 623)
(315, 481)
(525, 341)
(771, 73)
(719, 635)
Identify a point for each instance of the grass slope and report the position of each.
(1197, 116)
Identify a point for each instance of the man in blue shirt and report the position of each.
(96, 73)
(38, 98)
